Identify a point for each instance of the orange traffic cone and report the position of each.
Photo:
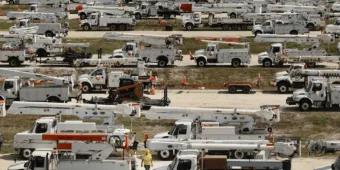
(184, 81)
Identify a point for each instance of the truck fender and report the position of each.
(305, 104)
(85, 80)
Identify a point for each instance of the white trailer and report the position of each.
(214, 55)
(101, 20)
(278, 55)
(47, 29)
(280, 27)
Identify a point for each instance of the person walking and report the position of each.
(147, 160)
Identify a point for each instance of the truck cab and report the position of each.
(181, 130)
(94, 19)
(271, 56)
(10, 90)
(286, 79)
(128, 50)
(319, 92)
(191, 20)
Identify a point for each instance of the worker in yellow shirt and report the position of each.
(147, 160)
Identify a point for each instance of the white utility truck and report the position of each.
(333, 28)
(320, 92)
(13, 56)
(278, 55)
(192, 159)
(77, 151)
(323, 146)
(280, 27)
(101, 20)
(195, 20)
(87, 10)
(214, 55)
(47, 29)
(26, 86)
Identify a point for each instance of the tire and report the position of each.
(82, 16)
(26, 153)
(122, 27)
(189, 26)
(41, 52)
(165, 154)
(14, 62)
(232, 89)
(305, 105)
(53, 99)
(138, 16)
(246, 90)
(283, 88)
(232, 15)
(294, 32)
(85, 87)
(236, 63)
(162, 62)
(267, 63)
(257, 33)
(86, 27)
(167, 16)
(238, 154)
(112, 27)
(201, 62)
(49, 34)
(310, 27)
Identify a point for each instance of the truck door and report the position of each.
(211, 52)
(184, 164)
(268, 27)
(98, 77)
(181, 132)
(94, 20)
(318, 92)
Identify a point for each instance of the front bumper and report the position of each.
(290, 101)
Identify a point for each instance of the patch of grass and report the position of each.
(95, 43)
(5, 24)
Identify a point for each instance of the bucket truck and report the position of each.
(101, 20)
(211, 137)
(194, 160)
(77, 151)
(18, 86)
(278, 55)
(280, 27)
(47, 29)
(322, 90)
(28, 141)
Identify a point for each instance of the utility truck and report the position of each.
(106, 20)
(13, 56)
(87, 10)
(214, 55)
(195, 20)
(47, 29)
(280, 27)
(147, 9)
(77, 151)
(323, 146)
(278, 55)
(333, 28)
(233, 10)
(18, 86)
(192, 159)
(100, 79)
(320, 92)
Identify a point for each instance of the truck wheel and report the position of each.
(236, 63)
(310, 27)
(26, 153)
(239, 155)
(122, 27)
(283, 88)
(305, 105)
(86, 27)
(85, 87)
(162, 63)
(232, 89)
(165, 154)
(14, 62)
(189, 26)
(138, 16)
(267, 63)
(41, 52)
(53, 99)
(257, 33)
(294, 32)
(232, 15)
(49, 34)
(82, 16)
(167, 16)
(112, 27)
(201, 62)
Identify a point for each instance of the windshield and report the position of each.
(172, 130)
